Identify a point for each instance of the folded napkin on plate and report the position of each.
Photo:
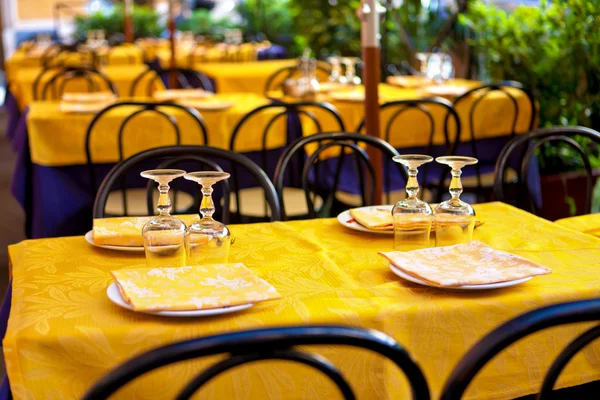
(126, 231)
(380, 219)
(192, 288)
(472, 263)
(374, 218)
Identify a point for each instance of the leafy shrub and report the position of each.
(146, 22)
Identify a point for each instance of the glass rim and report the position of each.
(465, 160)
(413, 157)
(153, 173)
(206, 174)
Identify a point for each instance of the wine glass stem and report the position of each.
(456, 187)
(164, 201)
(412, 185)
(207, 207)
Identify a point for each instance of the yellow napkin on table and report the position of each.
(126, 231)
(374, 218)
(192, 288)
(473, 263)
(381, 219)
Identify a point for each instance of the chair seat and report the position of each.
(252, 202)
(136, 202)
(355, 200)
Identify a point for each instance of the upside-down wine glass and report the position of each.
(412, 216)
(164, 235)
(207, 241)
(454, 219)
(336, 70)
(350, 64)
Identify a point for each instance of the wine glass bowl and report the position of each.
(164, 235)
(412, 216)
(207, 241)
(454, 218)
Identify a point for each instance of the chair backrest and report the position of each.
(55, 86)
(277, 78)
(159, 109)
(512, 331)
(291, 115)
(265, 344)
(350, 146)
(424, 107)
(207, 157)
(525, 147)
(62, 56)
(479, 94)
(186, 79)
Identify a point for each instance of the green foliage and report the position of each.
(335, 29)
(201, 22)
(273, 18)
(555, 50)
(145, 22)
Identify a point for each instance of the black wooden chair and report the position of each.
(197, 157)
(430, 175)
(186, 79)
(512, 331)
(132, 201)
(323, 171)
(481, 182)
(65, 56)
(265, 344)
(56, 81)
(293, 116)
(525, 194)
(276, 80)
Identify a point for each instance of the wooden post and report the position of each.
(128, 20)
(369, 15)
(173, 62)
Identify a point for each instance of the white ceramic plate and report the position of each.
(490, 286)
(344, 218)
(89, 237)
(114, 295)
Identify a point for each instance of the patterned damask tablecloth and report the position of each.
(64, 333)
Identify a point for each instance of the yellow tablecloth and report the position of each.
(58, 139)
(122, 76)
(242, 77)
(493, 116)
(63, 332)
(122, 55)
(589, 224)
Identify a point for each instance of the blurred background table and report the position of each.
(51, 145)
(326, 275)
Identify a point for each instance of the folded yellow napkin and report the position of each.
(126, 231)
(473, 263)
(374, 218)
(381, 219)
(192, 288)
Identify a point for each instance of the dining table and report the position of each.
(64, 333)
(122, 76)
(51, 171)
